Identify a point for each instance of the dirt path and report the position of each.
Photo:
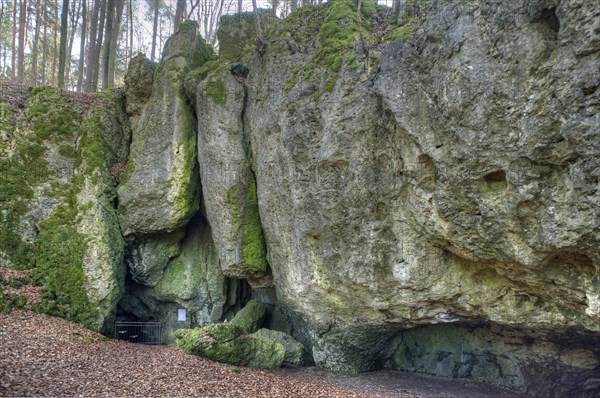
(45, 356)
(395, 384)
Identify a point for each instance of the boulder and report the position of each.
(227, 343)
(250, 318)
(295, 353)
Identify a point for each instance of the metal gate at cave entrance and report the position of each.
(139, 332)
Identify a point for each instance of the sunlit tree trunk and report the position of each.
(62, 52)
(110, 12)
(74, 21)
(89, 73)
(111, 43)
(35, 44)
(45, 43)
(13, 56)
(82, 45)
(54, 47)
(154, 29)
(95, 62)
(21, 49)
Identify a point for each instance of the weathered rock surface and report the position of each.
(138, 86)
(429, 206)
(58, 214)
(452, 181)
(150, 256)
(251, 317)
(295, 353)
(226, 175)
(160, 192)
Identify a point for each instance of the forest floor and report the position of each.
(46, 356)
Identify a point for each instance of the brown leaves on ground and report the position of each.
(45, 356)
(32, 293)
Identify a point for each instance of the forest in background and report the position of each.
(85, 45)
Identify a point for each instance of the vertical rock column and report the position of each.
(160, 192)
(226, 175)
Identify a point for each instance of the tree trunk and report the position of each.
(131, 27)
(62, 52)
(294, 5)
(98, 47)
(36, 39)
(54, 48)
(154, 29)
(13, 58)
(179, 11)
(82, 45)
(274, 5)
(74, 22)
(397, 7)
(108, 30)
(89, 73)
(113, 42)
(21, 57)
(45, 43)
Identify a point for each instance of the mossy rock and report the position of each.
(250, 318)
(227, 343)
(295, 353)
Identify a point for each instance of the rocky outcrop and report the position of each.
(295, 354)
(160, 191)
(418, 194)
(149, 257)
(239, 342)
(447, 178)
(57, 199)
(226, 175)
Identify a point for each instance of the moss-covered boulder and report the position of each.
(160, 192)
(227, 343)
(250, 318)
(295, 353)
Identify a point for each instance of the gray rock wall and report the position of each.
(451, 178)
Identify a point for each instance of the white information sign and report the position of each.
(181, 314)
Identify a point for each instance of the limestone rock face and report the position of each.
(226, 176)
(138, 85)
(295, 353)
(194, 279)
(57, 203)
(160, 192)
(454, 181)
(150, 257)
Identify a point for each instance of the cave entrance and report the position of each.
(139, 332)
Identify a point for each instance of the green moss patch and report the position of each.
(59, 268)
(11, 301)
(215, 89)
(253, 242)
(59, 130)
